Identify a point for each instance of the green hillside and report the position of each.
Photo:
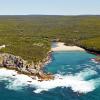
(30, 36)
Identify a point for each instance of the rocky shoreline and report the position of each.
(10, 61)
(91, 51)
(33, 70)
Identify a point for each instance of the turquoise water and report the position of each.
(79, 80)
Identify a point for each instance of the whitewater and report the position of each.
(76, 82)
(76, 77)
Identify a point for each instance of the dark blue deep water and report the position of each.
(77, 64)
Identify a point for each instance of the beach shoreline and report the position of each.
(60, 46)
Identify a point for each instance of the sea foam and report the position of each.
(18, 81)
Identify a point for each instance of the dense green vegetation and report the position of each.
(92, 44)
(30, 36)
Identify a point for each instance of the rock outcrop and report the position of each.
(17, 63)
(97, 59)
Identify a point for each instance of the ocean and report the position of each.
(77, 77)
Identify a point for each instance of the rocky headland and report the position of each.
(13, 62)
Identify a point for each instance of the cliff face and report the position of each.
(17, 63)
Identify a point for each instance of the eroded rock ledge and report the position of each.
(21, 66)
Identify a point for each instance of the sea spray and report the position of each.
(18, 81)
(86, 73)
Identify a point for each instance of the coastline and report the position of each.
(60, 46)
(33, 70)
(91, 50)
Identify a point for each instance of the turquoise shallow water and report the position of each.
(75, 66)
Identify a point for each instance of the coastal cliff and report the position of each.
(10, 61)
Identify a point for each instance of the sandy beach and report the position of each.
(60, 46)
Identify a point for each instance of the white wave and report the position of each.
(86, 73)
(96, 82)
(18, 81)
(77, 85)
(94, 61)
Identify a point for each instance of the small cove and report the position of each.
(76, 71)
